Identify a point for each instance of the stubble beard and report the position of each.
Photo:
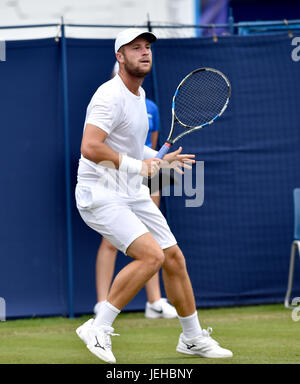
(135, 71)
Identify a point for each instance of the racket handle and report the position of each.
(163, 151)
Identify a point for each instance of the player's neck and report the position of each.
(131, 82)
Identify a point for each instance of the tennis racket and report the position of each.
(200, 98)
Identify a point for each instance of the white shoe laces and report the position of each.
(107, 332)
(206, 333)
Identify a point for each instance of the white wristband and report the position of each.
(130, 165)
(149, 152)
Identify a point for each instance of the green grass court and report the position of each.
(257, 335)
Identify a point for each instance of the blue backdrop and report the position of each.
(237, 243)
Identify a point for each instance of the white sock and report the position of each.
(190, 325)
(98, 305)
(107, 314)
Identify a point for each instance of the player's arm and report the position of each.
(174, 159)
(93, 148)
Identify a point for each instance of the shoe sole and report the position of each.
(194, 353)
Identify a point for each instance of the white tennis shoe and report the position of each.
(161, 309)
(97, 340)
(203, 345)
(81, 331)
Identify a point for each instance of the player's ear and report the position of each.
(120, 56)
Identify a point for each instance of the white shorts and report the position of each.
(121, 218)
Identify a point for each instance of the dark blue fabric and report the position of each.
(90, 63)
(236, 244)
(33, 230)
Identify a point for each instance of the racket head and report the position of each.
(200, 98)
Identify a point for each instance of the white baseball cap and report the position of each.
(128, 35)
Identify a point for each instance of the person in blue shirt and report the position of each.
(153, 117)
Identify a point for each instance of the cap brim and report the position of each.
(148, 36)
(122, 40)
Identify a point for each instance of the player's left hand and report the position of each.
(177, 161)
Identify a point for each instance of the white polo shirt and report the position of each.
(123, 116)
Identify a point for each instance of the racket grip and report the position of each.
(163, 151)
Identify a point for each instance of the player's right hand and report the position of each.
(150, 167)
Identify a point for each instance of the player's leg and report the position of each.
(156, 306)
(148, 259)
(108, 213)
(152, 287)
(105, 267)
(193, 340)
(122, 227)
(177, 282)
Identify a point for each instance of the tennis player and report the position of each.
(113, 201)
(156, 305)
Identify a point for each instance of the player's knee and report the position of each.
(146, 249)
(155, 259)
(174, 260)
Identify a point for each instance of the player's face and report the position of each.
(137, 57)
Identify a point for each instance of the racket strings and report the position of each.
(201, 97)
